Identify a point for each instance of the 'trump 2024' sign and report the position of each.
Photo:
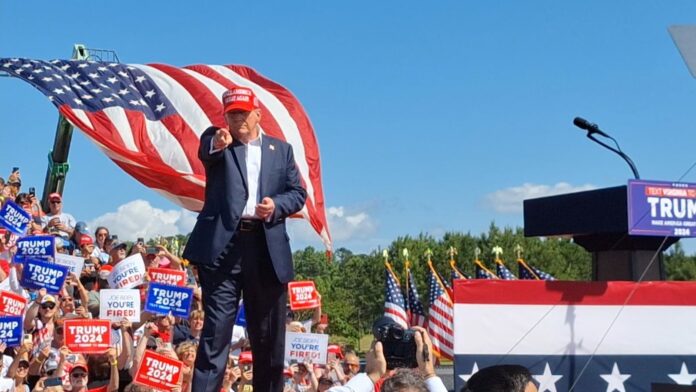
(659, 208)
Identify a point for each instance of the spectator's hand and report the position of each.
(187, 373)
(3, 347)
(426, 365)
(150, 328)
(45, 352)
(39, 295)
(111, 354)
(236, 373)
(376, 365)
(81, 312)
(64, 352)
(222, 139)
(26, 347)
(125, 324)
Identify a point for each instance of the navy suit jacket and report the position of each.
(226, 194)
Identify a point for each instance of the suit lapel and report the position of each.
(239, 153)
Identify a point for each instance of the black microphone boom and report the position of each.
(592, 129)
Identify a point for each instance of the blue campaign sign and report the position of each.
(11, 330)
(241, 316)
(660, 208)
(14, 218)
(165, 299)
(39, 274)
(37, 247)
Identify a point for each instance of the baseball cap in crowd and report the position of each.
(55, 196)
(104, 271)
(48, 298)
(239, 98)
(79, 365)
(86, 239)
(336, 349)
(245, 357)
(81, 227)
(50, 364)
(116, 245)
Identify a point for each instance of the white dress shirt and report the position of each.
(252, 158)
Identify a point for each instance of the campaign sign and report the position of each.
(167, 276)
(659, 208)
(303, 346)
(117, 304)
(163, 299)
(75, 264)
(303, 295)
(87, 336)
(128, 273)
(39, 274)
(14, 218)
(12, 304)
(158, 371)
(38, 247)
(11, 330)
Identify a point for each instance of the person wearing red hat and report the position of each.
(57, 221)
(240, 243)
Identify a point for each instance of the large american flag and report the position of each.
(394, 304)
(148, 120)
(414, 307)
(440, 318)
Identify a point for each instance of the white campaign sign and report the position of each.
(75, 264)
(303, 346)
(128, 273)
(117, 304)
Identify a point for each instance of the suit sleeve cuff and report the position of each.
(213, 150)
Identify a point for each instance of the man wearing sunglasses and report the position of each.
(57, 221)
(79, 377)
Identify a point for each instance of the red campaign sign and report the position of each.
(158, 371)
(303, 295)
(167, 276)
(12, 304)
(87, 336)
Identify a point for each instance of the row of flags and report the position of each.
(407, 310)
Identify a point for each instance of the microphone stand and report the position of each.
(616, 150)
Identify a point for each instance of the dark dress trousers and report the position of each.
(236, 259)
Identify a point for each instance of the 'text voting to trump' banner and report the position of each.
(303, 295)
(167, 276)
(37, 247)
(11, 330)
(12, 304)
(14, 218)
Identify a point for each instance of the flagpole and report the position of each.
(407, 265)
(385, 254)
(453, 263)
(477, 262)
(437, 277)
(519, 250)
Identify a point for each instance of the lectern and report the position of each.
(597, 220)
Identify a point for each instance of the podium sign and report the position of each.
(660, 208)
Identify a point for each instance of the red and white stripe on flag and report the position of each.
(163, 154)
(441, 319)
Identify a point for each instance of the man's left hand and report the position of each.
(265, 208)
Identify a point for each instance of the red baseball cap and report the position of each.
(55, 196)
(336, 349)
(239, 98)
(86, 239)
(245, 357)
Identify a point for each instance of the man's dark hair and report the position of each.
(404, 380)
(500, 378)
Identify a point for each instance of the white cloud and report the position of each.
(345, 224)
(140, 219)
(509, 200)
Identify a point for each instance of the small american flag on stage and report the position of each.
(503, 271)
(148, 120)
(440, 318)
(527, 271)
(482, 272)
(394, 304)
(415, 310)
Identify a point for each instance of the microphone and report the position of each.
(588, 126)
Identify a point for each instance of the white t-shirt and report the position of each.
(65, 218)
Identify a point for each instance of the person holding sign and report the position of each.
(240, 243)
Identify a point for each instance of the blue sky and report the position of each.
(430, 117)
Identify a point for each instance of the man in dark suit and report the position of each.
(240, 244)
